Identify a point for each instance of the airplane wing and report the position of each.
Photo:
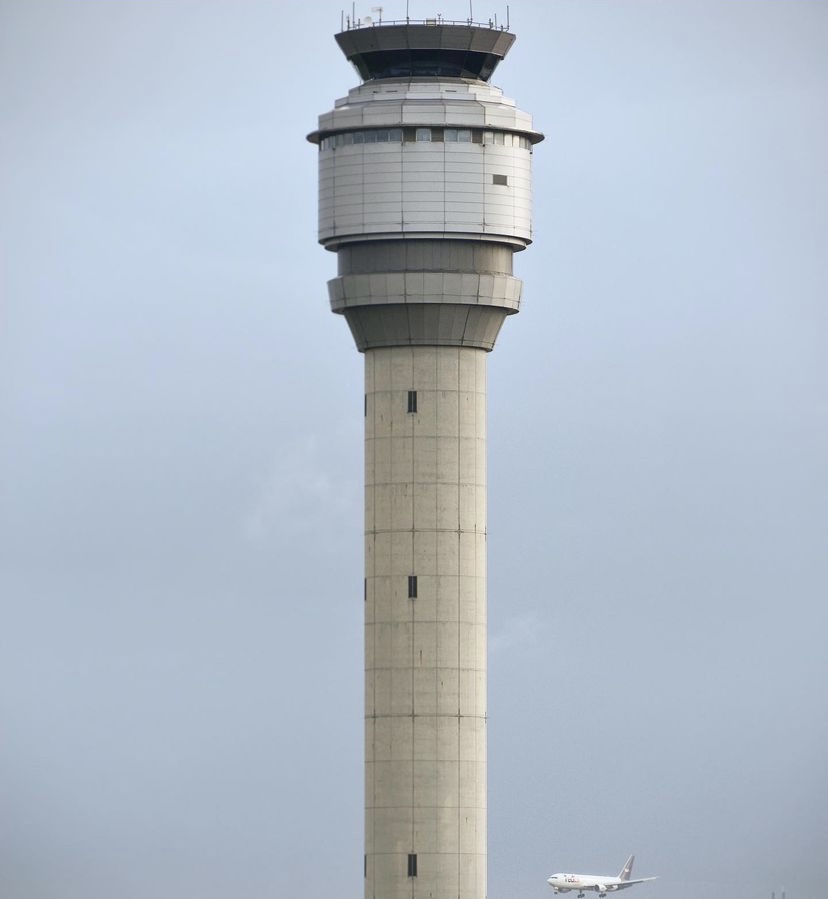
(629, 883)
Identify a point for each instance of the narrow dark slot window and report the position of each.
(364, 865)
(365, 589)
(412, 864)
(365, 406)
(412, 400)
(412, 586)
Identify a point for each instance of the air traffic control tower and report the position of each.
(425, 196)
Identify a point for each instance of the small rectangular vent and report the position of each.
(412, 586)
(500, 179)
(412, 400)
(412, 864)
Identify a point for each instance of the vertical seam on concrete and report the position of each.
(434, 353)
(413, 603)
(480, 539)
(444, 179)
(369, 363)
(458, 431)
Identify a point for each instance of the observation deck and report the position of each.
(430, 48)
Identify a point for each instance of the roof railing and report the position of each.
(352, 22)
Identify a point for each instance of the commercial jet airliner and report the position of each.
(563, 883)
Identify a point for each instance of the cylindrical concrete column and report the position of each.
(425, 622)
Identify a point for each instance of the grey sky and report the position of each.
(181, 456)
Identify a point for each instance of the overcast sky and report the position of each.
(181, 456)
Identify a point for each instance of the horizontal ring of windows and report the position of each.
(507, 139)
(374, 136)
(426, 135)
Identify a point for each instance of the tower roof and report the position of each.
(425, 50)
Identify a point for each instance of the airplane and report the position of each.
(563, 883)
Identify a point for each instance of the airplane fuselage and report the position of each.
(563, 883)
(598, 883)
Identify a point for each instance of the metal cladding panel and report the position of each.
(459, 202)
(428, 162)
(381, 179)
(497, 117)
(428, 103)
(409, 188)
(424, 115)
(454, 108)
(465, 181)
(380, 118)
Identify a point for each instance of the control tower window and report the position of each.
(374, 136)
(398, 135)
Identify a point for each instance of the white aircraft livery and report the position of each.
(563, 883)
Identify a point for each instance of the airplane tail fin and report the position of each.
(627, 869)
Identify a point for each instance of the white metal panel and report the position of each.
(425, 187)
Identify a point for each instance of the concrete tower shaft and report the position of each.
(425, 196)
(425, 622)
